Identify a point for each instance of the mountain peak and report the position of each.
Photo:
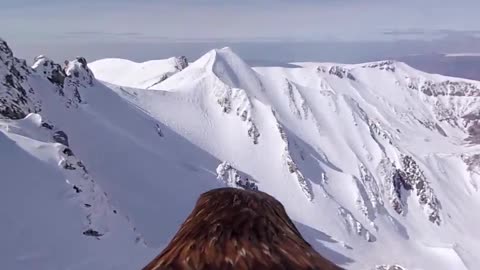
(214, 55)
(69, 78)
(79, 71)
(226, 49)
(53, 71)
(5, 51)
(232, 70)
(17, 97)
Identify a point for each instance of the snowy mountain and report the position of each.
(138, 75)
(378, 164)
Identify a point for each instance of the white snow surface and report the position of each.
(327, 140)
(131, 74)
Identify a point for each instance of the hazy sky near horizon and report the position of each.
(350, 20)
(49, 23)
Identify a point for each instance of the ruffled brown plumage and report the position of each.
(238, 229)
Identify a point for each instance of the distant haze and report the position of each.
(260, 31)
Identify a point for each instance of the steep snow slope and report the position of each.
(140, 75)
(92, 173)
(53, 212)
(378, 163)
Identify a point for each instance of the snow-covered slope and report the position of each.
(377, 163)
(139, 75)
(84, 169)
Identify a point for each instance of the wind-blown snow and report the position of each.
(377, 163)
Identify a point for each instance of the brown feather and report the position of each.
(238, 229)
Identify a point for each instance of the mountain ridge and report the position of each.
(364, 145)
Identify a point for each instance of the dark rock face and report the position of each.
(446, 88)
(17, 98)
(159, 130)
(5, 51)
(472, 161)
(53, 71)
(77, 189)
(68, 152)
(239, 229)
(471, 122)
(47, 125)
(341, 72)
(410, 178)
(82, 61)
(61, 137)
(247, 184)
(78, 76)
(69, 79)
(388, 65)
(399, 184)
(93, 233)
(181, 63)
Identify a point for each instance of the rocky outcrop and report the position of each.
(51, 70)
(297, 103)
(78, 76)
(304, 184)
(17, 97)
(471, 123)
(453, 102)
(352, 225)
(370, 199)
(399, 185)
(410, 179)
(61, 137)
(181, 63)
(339, 71)
(233, 178)
(378, 131)
(426, 196)
(5, 51)
(388, 65)
(95, 202)
(472, 161)
(445, 88)
(238, 229)
(78, 69)
(237, 100)
(69, 79)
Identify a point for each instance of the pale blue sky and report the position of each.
(36, 25)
